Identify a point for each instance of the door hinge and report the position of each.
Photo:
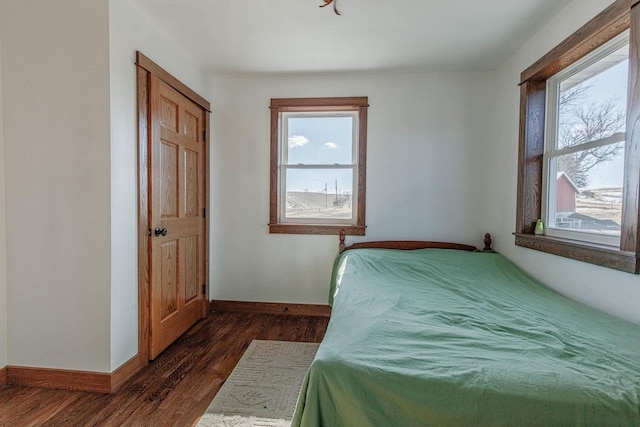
(204, 212)
(204, 134)
(204, 288)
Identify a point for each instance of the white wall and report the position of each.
(425, 132)
(71, 150)
(611, 291)
(3, 237)
(131, 30)
(439, 146)
(55, 79)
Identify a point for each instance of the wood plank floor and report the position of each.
(173, 390)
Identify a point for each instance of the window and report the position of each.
(579, 157)
(584, 146)
(318, 164)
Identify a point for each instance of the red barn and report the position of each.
(566, 192)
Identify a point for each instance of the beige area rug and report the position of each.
(262, 390)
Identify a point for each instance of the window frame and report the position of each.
(277, 222)
(551, 150)
(285, 166)
(615, 19)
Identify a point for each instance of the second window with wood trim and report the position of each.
(318, 165)
(572, 121)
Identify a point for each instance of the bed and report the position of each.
(458, 337)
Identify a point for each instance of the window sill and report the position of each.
(605, 256)
(353, 230)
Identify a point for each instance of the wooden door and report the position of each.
(177, 201)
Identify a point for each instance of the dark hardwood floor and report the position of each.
(173, 390)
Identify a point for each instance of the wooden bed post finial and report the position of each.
(487, 242)
(342, 236)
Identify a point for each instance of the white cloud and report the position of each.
(331, 144)
(297, 141)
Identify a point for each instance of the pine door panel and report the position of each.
(191, 202)
(191, 268)
(177, 210)
(169, 180)
(169, 280)
(169, 113)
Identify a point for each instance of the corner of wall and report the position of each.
(608, 290)
(130, 30)
(56, 183)
(3, 237)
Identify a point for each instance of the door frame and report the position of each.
(144, 69)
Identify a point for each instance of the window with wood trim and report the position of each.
(583, 158)
(318, 165)
(578, 138)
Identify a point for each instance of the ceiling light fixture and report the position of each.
(328, 2)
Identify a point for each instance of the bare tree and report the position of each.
(580, 121)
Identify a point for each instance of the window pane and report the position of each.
(592, 102)
(320, 140)
(588, 190)
(319, 193)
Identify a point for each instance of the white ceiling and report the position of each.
(296, 36)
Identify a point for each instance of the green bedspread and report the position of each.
(439, 337)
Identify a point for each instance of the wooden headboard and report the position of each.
(411, 244)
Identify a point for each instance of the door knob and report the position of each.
(161, 231)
